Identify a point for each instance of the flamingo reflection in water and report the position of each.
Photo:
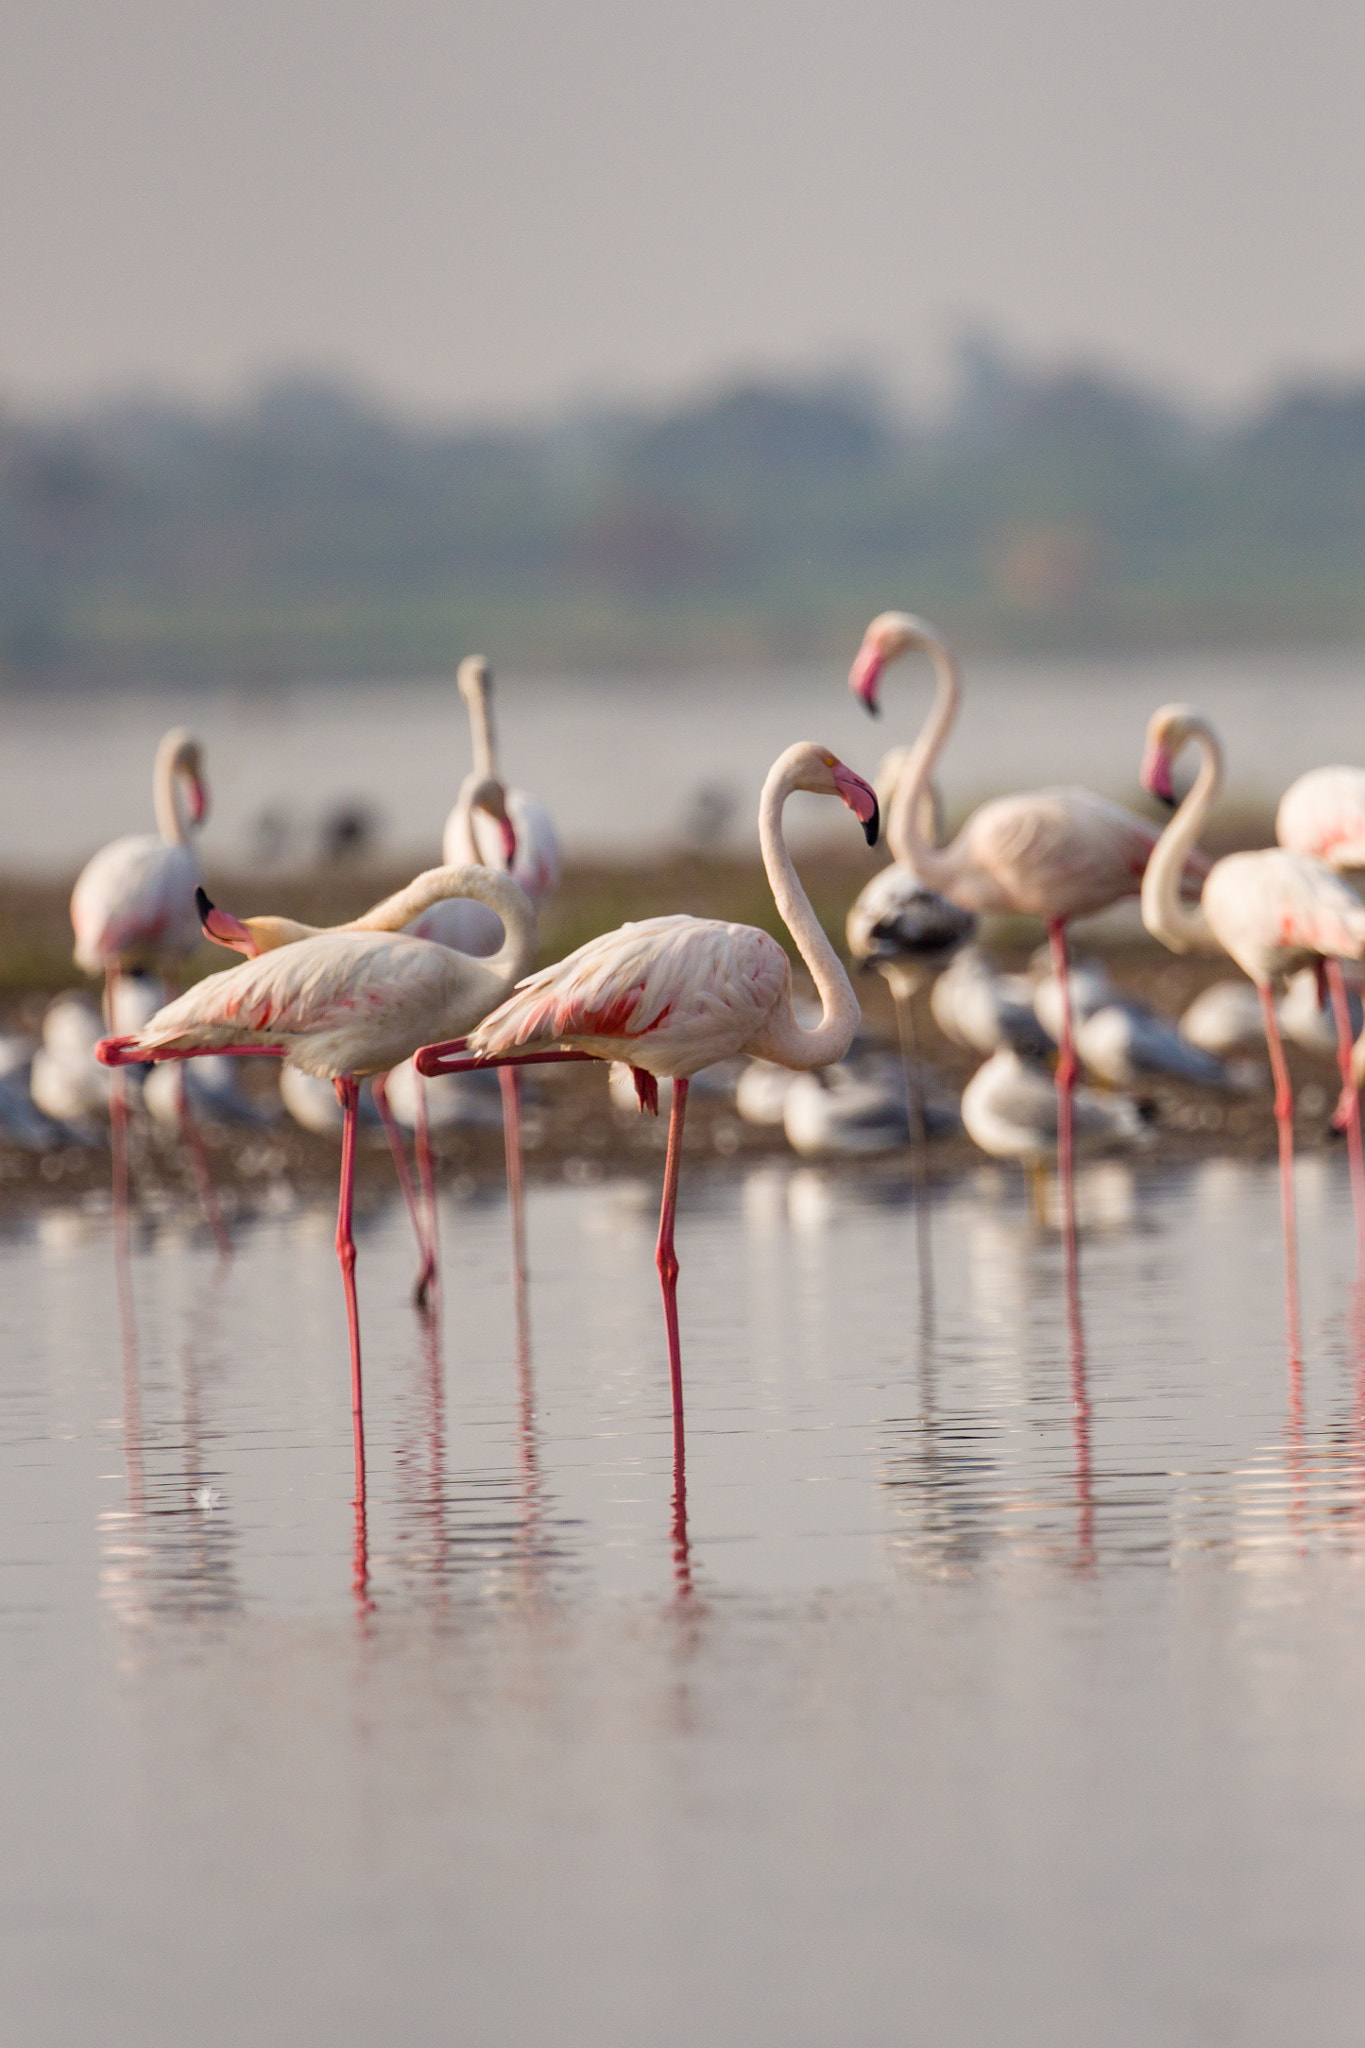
(345, 1005)
(672, 995)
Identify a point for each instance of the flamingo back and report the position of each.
(1273, 911)
(1052, 853)
(669, 994)
(1323, 813)
(133, 904)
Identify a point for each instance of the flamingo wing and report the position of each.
(1057, 852)
(341, 997)
(670, 993)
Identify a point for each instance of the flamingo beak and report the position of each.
(509, 842)
(1156, 774)
(199, 800)
(865, 675)
(223, 928)
(861, 799)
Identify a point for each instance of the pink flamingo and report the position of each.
(480, 796)
(1272, 911)
(1323, 813)
(133, 908)
(1053, 854)
(343, 1005)
(673, 994)
(527, 847)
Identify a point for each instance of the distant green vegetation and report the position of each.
(311, 533)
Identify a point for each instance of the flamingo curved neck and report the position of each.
(168, 802)
(783, 1039)
(1182, 927)
(912, 803)
(504, 897)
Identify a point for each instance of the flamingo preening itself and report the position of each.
(265, 934)
(672, 995)
(1272, 911)
(133, 909)
(1323, 813)
(1054, 854)
(343, 1005)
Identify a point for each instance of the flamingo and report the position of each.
(1272, 911)
(672, 995)
(527, 848)
(1323, 813)
(343, 1005)
(479, 795)
(133, 908)
(1055, 854)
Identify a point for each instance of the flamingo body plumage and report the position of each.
(1323, 813)
(133, 903)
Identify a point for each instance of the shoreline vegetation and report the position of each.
(309, 531)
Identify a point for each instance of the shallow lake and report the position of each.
(994, 1694)
(623, 764)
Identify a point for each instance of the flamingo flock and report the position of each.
(439, 979)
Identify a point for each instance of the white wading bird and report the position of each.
(1055, 854)
(1323, 813)
(1272, 911)
(672, 995)
(343, 1005)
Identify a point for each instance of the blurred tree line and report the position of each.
(310, 532)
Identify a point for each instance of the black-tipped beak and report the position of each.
(873, 825)
(203, 905)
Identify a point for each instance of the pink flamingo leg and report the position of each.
(427, 1270)
(666, 1258)
(1066, 1082)
(348, 1095)
(1284, 1117)
(510, 1084)
(426, 1174)
(1348, 1107)
(118, 1128)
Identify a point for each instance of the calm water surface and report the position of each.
(621, 762)
(976, 1712)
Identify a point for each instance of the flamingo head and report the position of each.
(890, 635)
(180, 759)
(816, 769)
(1167, 731)
(491, 798)
(248, 935)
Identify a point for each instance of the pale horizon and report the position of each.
(517, 212)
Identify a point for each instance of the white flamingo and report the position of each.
(672, 995)
(480, 795)
(1271, 911)
(343, 1005)
(524, 844)
(133, 909)
(1323, 813)
(1055, 854)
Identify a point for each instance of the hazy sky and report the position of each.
(489, 203)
